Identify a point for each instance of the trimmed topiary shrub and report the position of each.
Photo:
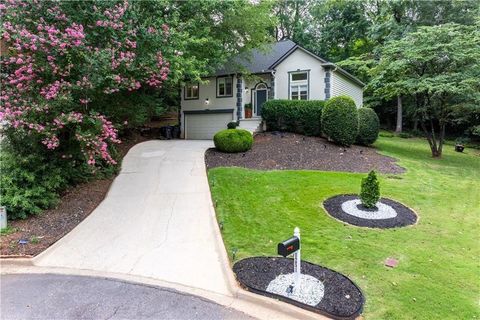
(370, 190)
(298, 116)
(232, 125)
(233, 140)
(340, 120)
(368, 126)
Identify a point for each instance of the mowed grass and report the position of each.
(438, 276)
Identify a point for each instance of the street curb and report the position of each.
(249, 303)
(23, 262)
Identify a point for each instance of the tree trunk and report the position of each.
(415, 125)
(432, 142)
(441, 139)
(399, 126)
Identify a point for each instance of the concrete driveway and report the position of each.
(48, 296)
(156, 221)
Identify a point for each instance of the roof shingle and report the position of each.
(258, 61)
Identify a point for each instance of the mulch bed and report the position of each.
(342, 298)
(283, 151)
(75, 205)
(405, 216)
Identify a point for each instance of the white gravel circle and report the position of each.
(384, 211)
(309, 291)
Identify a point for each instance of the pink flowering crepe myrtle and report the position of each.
(48, 78)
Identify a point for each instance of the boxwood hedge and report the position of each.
(340, 120)
(368, 126)
(233, 140)
(298, 116)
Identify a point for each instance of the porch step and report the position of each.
(253, 125)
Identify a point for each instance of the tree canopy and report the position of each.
(438, 67)
(360, 35)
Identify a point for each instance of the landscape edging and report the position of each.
(367, 227)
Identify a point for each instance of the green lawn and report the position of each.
(438, 276)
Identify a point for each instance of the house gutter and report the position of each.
(343, 72)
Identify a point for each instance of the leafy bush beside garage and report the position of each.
(233, 140)
(298, 116)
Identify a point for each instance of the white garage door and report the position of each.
(204, 126)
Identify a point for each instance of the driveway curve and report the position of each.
(156, 221)
(49, 296)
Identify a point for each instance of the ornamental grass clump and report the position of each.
(370, 190)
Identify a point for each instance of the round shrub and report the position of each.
(370, 190)
(233, 140)
(232, 125)
(340, 120)
(368, 126)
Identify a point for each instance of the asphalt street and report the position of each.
(51, 296)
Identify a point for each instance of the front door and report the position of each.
(260, 98)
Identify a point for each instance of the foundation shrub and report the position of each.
(233, 140)
(298, 116)
(340, 120)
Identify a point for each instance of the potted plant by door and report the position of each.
(248, 110)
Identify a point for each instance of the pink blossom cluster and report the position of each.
(98, 147)
(75, 33)
(158, 76)
(64, 119)
(24, 72)
(113, 17)
(127, 57)
(52, 90)
(51, 142)
(45, 38)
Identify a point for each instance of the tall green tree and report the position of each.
(438, 67)
(341, 29)
(211, 32)
(394, 19)
(293, 19)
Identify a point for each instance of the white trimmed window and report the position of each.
(224, 87)
(191, 91)
(299, 85)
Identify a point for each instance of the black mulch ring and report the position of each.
(405, 216)
(342, 298)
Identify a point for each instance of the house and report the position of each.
(284, 70)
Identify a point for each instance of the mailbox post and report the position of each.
(296, 257)
(290, 246)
